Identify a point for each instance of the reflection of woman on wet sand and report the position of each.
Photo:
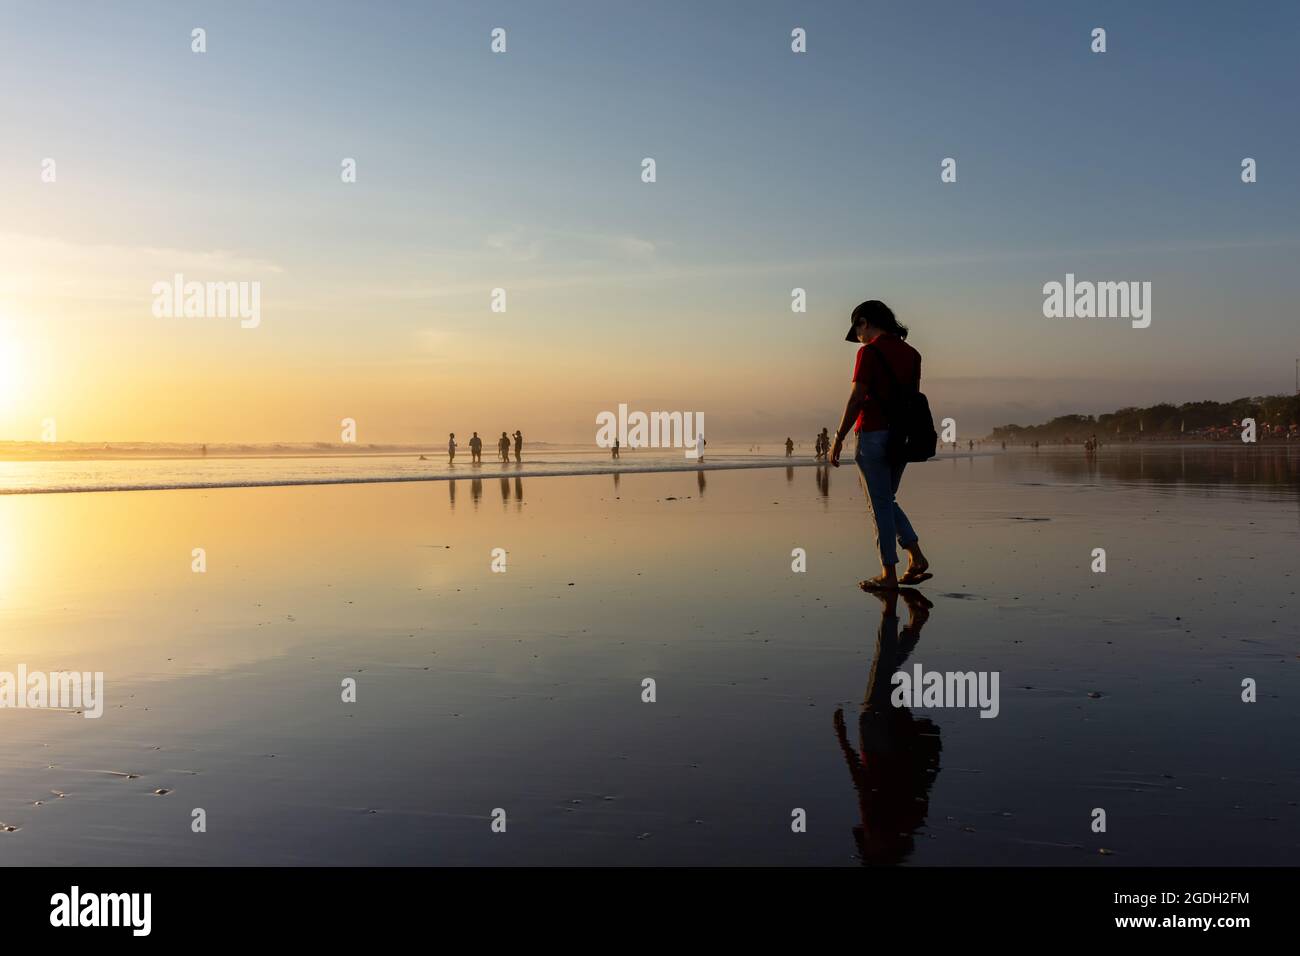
(899, 756)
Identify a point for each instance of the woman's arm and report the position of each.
(857, 398)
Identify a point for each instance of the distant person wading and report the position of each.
(885, 362)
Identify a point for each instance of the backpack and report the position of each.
(911, 426)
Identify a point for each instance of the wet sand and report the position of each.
(522, 690)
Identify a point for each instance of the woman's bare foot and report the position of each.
(884, 582)
(917, 566)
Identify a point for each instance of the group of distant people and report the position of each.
(821, 445)
(476, 447)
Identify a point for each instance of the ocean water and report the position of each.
(143, 473)
(485, 694)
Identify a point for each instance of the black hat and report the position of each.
(870, 310)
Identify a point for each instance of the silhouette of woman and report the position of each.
(881, 335)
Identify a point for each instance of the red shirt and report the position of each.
(904, 361)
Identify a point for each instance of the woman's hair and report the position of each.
(881, 316)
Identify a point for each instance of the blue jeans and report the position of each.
(880, 479)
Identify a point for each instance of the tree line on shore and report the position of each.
(1276, 416)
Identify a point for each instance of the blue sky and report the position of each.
(775, 170)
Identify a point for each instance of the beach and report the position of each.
(522, 690)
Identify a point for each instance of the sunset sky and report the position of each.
(522, 170)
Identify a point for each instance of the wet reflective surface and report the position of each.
(523, 690)
(1270, 469)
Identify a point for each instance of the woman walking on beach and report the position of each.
(885, 362)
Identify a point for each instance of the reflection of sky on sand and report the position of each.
(531, 696)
